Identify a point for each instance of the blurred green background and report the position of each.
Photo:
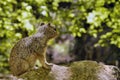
(89, 29)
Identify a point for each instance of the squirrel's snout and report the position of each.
(55, 29)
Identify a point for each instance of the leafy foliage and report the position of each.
(98, 18)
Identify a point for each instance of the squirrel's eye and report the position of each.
(54, 28)
(42, 24)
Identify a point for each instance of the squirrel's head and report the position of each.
(48, 30)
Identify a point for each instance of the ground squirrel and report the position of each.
(26, 51)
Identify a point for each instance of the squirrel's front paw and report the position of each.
(48, 65)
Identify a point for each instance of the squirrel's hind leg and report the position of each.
(19, 67)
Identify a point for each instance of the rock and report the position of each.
(81, 70)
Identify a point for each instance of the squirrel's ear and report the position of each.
(42, 24)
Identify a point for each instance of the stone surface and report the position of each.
(81, 70)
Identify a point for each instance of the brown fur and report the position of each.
(26, 51)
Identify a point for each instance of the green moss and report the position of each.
(39, 74)
(84, 70)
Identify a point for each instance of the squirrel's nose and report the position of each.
(55, 29)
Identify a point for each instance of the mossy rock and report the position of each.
(81, 70)
(84, 70)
